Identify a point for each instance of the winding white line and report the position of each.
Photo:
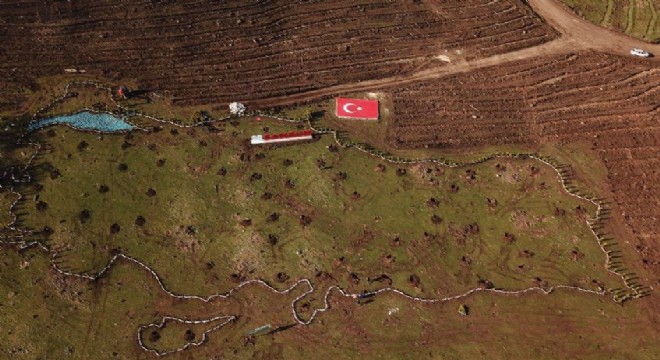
(22, 243)
(167, 319)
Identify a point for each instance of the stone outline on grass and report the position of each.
(564, 174)
(166, 319)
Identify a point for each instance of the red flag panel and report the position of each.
(357, 109)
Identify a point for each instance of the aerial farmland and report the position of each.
(329, 179)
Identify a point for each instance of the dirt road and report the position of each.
(555, 47)
(586, 34)
(577, 35)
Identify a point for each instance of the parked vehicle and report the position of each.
(640, 53)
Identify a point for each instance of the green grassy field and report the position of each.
(333, 215)
(46, 316)
(196, 216)
(637, 18)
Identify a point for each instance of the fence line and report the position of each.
(21, 241)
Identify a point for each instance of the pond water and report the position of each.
(85, 121)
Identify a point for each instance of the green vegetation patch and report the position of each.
(637, 18)
(207, 210)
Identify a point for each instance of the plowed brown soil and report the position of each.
(461, 75)
(606, 101)
(205, 52)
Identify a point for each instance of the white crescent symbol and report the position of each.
(346, 108)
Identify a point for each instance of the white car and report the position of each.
(640, 53)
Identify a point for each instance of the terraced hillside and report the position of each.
(506, 197)
(213, 52)
(606, 101)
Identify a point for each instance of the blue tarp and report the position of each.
(85, 121)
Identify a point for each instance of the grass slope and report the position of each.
(193, 237)
(637, 18)
(201, 226)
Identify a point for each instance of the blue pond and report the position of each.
(85, 121)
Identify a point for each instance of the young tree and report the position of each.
(42, 206)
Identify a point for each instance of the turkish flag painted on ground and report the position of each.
(357, 109)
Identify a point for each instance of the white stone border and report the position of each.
(619, 295)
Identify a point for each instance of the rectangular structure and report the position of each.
(357, 109)
(282, 137)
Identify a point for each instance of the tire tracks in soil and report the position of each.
(577, 35)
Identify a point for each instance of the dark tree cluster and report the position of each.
(84, 216)
(42, 206)
(272, 239)
(47, 231)
(414, 280)
(433, 203)
(305, 220)
(273, 217)
(154, 336)
(485, 284)
(54, 174)
(354, 278)
(237, 277)
(396, 242)
(83, 145)
(114, 228)
(281, 277)
(472, 229)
